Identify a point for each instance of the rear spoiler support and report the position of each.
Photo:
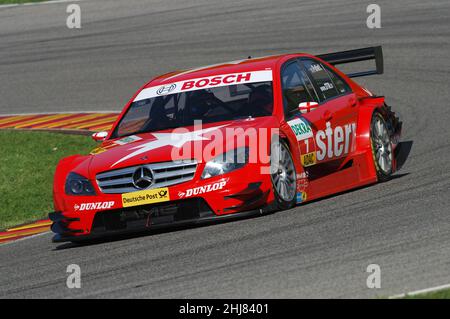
(364, 54)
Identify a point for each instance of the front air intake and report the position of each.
(153, 175)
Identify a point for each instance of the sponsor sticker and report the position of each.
(301, 197)
(302, 184)
(308, 159)
(202, 189)
(335, 141)
(301, 128)
(128, 139)
(205, 83)
(326, 86)
(93, 206)
(97, 150)
(166, 89)
(144, 197)
(314, 68)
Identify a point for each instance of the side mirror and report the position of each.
(99, 136)
(306, 107)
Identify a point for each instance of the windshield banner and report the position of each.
(205, 83)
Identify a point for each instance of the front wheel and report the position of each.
(283, 175)
(381, 147)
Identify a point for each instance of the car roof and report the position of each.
(238, 66)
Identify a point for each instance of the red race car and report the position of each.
(230, 140)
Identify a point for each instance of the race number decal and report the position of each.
(305, 137)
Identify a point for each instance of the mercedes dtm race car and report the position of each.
(229, 140)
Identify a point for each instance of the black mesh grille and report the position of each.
(142, 217)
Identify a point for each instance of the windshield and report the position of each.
(210, 105)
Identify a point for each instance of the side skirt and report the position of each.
(359, 174)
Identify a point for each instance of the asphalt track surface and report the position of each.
(320, 249)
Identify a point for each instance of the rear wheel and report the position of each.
(381, 147)
(283, 175)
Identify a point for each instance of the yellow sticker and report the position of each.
(309, 159)
(97, 150)
(304, 196)
(145, 197)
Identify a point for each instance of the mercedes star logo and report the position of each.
(142, 178)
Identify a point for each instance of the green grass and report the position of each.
(442, 294)
(19, 1)
(27, 163)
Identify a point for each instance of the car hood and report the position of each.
(195, 142)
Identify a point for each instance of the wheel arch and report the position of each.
(294, 150)
(368, 107)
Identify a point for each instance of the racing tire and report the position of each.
(381, 143)
(283, 176)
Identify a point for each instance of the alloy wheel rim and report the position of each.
(283, 172)
(382, 146)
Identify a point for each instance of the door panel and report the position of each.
(302, 127)
(337, 114)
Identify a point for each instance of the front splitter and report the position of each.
(58, 238)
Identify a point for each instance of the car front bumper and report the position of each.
(235, 199)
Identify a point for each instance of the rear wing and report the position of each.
(364, 54)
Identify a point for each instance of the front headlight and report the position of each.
(226, 162)
(78, 185)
